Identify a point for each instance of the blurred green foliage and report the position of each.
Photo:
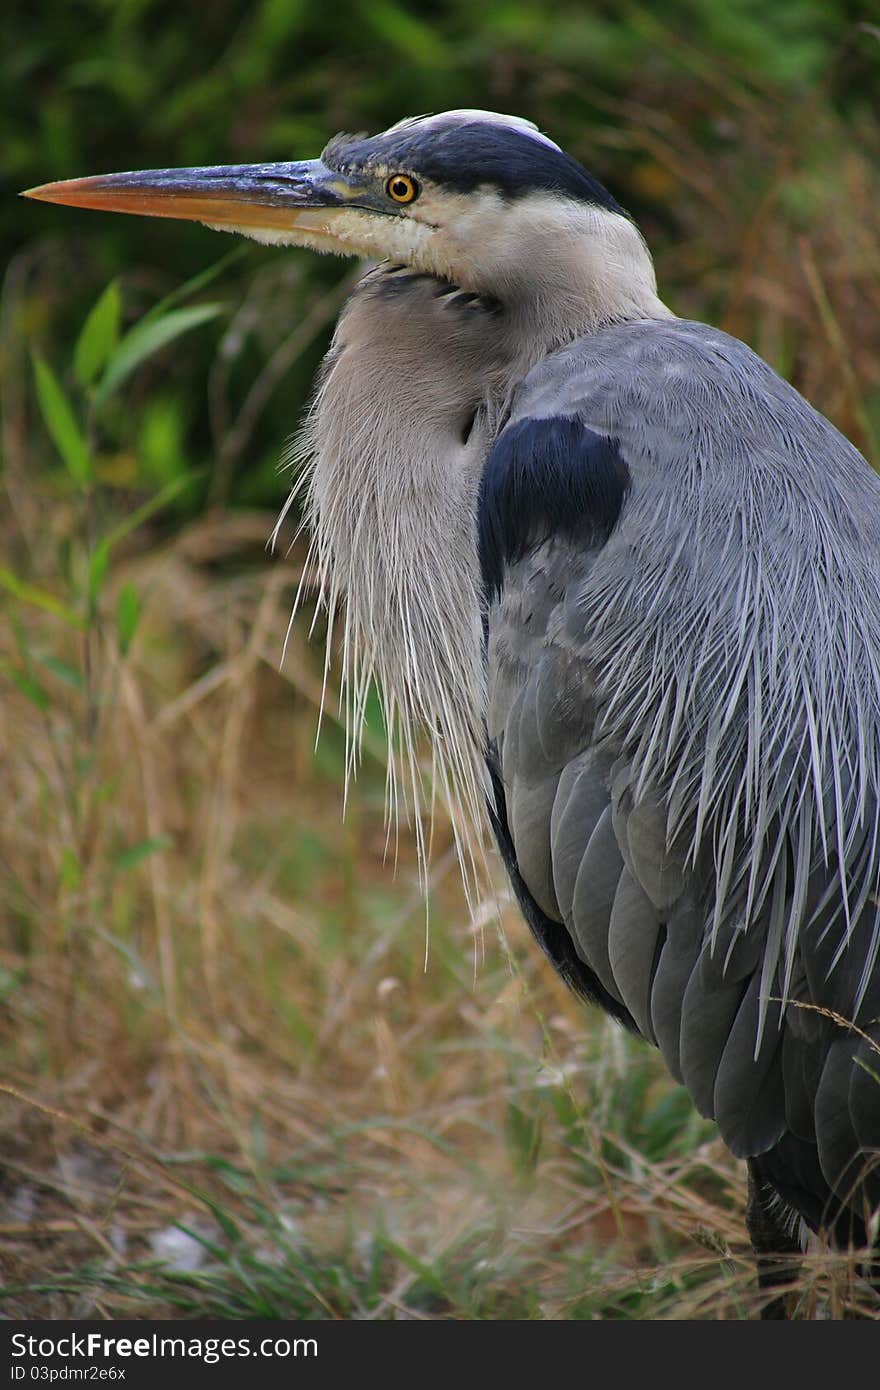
(92, 86)
(90, 82)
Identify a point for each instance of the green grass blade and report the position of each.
(28, 686)
(38, 598)
(149, 337)
(153, 504)
(99, 335)
(128, 612)
(195, 284)
(97, 570)
(127, 858)
(61, 423)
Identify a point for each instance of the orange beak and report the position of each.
(247, 197)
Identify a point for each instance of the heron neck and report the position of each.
(411, 395)
(560, 269)
(414, 390)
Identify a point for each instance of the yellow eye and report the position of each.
(402, 189)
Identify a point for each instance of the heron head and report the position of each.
(478, 198)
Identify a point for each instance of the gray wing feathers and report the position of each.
(643, 831)
(529, 811)
(660, 703)
(749, 1099)
(801, 1069)
(708, 1011)
(564, 707)
(532, 781)
(581, 798)
(596, 853)
(835, 1132)
(864, 1081)
(685, 927)
(594, 892)
(633, 940)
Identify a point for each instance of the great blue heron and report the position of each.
(628, 580)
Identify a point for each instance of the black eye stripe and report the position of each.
(463, 157)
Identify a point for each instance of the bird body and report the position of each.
(628, 581)
(684, 714)
(679, 664)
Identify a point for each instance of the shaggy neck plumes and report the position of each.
(394, 445)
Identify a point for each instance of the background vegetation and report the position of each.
(231, 1085)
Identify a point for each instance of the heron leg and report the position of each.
(777, 1250)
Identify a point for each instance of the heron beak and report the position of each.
(272, 199)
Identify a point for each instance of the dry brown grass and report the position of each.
(238, 1033)
(208, 1002)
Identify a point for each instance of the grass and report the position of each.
(244, 1039)
(222, 1018)
(233, 1087)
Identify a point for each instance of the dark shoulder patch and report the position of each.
(544, 478)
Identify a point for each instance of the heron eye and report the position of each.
(402, 188)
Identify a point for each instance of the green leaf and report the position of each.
(160, 448)
(71, 871)
(28, 686)
(39, 598)
(98, 561)
(128, 611)
(431, 1279)
(127, 858)
(100, 556)
(149, 337)
(97, 340)
(224, 1221)
(68, 674)
(196, 283)
(524, 1135)
(60, 421)
(153, 504)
